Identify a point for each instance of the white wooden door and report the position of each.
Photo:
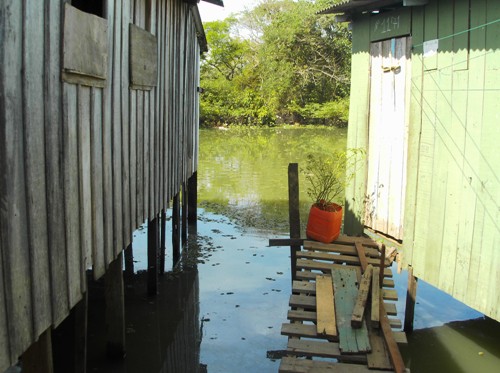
(388, 134)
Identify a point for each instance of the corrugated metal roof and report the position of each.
(356, 6)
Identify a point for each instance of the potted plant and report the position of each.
(327, 177)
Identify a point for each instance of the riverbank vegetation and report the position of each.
(278, 63)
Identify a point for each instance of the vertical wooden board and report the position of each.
(471, 225)
(13, 216)
(107, 143)
(443, 205)
(134, 222)
(116, 133)
(53, 162)
(141, 216)
(357, 132)
(34, 167)
(350, 340)
(71, 192)
(431, 32)
(125, 130)
(151, 162)
(96, 137)
(146, 149)
(4, 336)
(461, 23)
(84, 160)
(415, 123)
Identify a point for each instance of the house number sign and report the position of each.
(390, 24)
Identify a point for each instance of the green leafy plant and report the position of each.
(328, 176)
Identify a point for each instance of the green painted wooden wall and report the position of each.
(452, 208)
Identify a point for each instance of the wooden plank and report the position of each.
(302, 301)
(325, 307)
(394, 353)
(310, 276)
(71, 192)
(143, 59)
(361, 255)
(304, 287)
(411, 295)
(293, 365)
(85, 190)
(361, 299)
(311, 264)
(134, 221)
(85, 51)
(53, 162)
(301, 347)
(107, 142)
(153, 256)
(146, 149)
(141, 215)
(344, 247)
(302, 331)
(97, 204)
(375, 297)
(378, 358)
(125, 126)
(176, 241)
(338, 258)
(351, 340)
(116, 128)
(390, 308)
(34, 166)
(400, 337)
(301, 315)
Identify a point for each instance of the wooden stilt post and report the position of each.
(129, 261)
(153, 256)
(38, 357)
(293, 211)
(411, 296)
(115, 309)
(176, 242)
(163, 236)
(80, 312)
(193, 199)
(184, 214)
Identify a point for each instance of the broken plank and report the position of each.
(351, 340)
(364, 289)
(325, 307)
(375, 307)
(293, 365)
(301, 347)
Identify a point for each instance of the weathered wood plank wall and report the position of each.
(84, 157)
(452, 214)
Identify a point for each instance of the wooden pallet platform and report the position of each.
(323, 333)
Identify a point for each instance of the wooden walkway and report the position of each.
(341, 310)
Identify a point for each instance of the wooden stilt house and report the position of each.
(424, 103)
(98, 131)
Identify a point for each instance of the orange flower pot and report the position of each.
(324, 226)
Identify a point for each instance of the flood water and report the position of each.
(222, 311)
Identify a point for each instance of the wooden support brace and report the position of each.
(382, 265)
(394, 353)
(364, 290)
(115, 310)
(361, 254)
(184, 214)
(176, 239)
(38, 357)
(153, 256)
(411, 295)
(293, 212)
(193, 199)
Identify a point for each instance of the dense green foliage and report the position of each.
(277, 63)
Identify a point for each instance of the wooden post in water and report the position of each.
(115, 309)
(129, 261)
(153, 256)
(80, 312)
(293, 212)
(163, 236)
(176, 242)
(184, 214)
(38, 357)
(193, 199)
(411, 296)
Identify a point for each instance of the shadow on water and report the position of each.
(162, 333)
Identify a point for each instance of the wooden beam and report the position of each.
(394, 353)
(411, 295)
(153, 256)
(115, 310)
(193, 199)
(129, 260)
(375, 309)
(364, 290)
(286, 241)
(163, 237)
(293, 212)
(382, 266)
(361, 254)
(325, 307)
(38, 357)
(176, 240)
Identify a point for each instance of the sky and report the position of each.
(210, 12)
